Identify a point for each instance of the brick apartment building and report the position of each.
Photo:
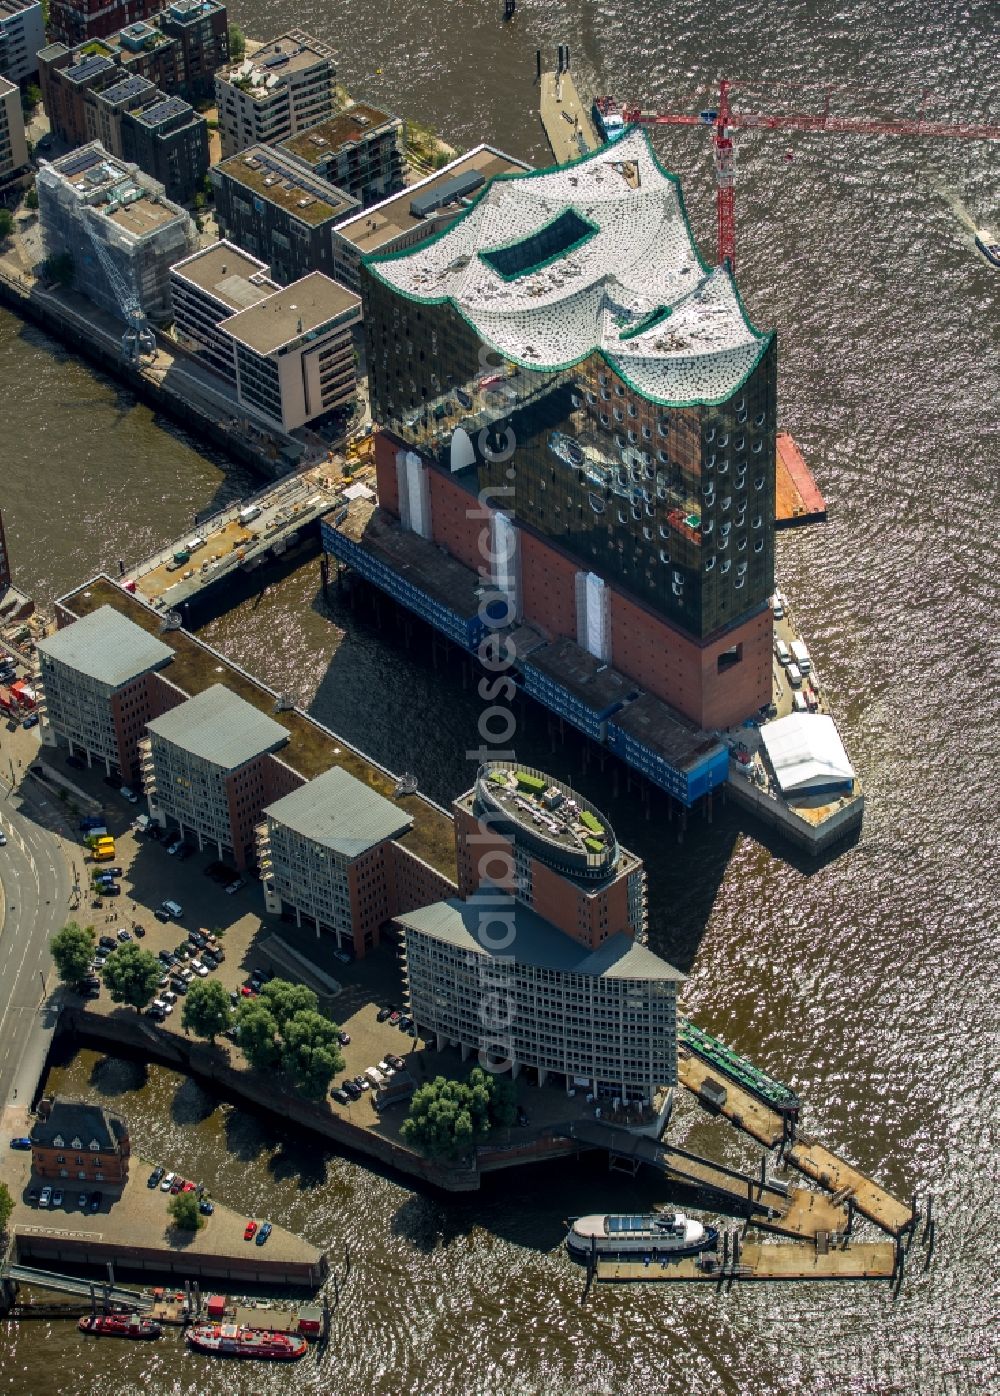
(100, 686)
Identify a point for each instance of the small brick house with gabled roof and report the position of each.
(73, 1141)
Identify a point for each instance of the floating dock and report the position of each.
(792, 1260)
(798, 499)
(568, 125)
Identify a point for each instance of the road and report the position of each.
(36, 885)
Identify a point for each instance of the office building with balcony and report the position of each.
(208, 288)
(13, 144)
(294, 352)
(74, 1141)
(208, 767)
(360, 150)
(533, 836)
(98, 689)
(90, 194)
(287, 85)
(418, 212)
(22, 34)
(325, 852)
(274, 208)
(539, 964)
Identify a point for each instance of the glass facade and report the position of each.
(673, 502)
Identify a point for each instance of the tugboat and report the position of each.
(659, 1235)
(989, 247)
(119, 1326)
(228, 1340)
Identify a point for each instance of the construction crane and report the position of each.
(724, 120)
(138, 338)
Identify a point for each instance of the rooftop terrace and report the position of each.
(275, 62)
(311, 750)
(276, 177)
(338, 132)
(594, 683)
(228, 273)
(549, 812)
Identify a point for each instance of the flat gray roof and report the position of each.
(595, 683)
(664, 731)
(536, 942)
(291, 313)
(219, 726)
(108, 647)
(226, 272)
(340, 812)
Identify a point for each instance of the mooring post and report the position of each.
(928, 1216)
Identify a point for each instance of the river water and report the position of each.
(869, 981)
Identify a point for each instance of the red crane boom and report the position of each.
(724, 120)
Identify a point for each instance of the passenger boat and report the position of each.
(659, 1235)
(119, 1326)
(228, 1340)
(989, 247)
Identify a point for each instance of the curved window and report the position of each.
(739, 584)
(723, 466)
(664, 556)
(741, 545)
(758, 546)
(741, 514)
(621, 516)
(757, 447)
(723, 542)
(647, 432)
(706, 527)
(596, 503)
(575, 400)
(726, 503)
(759, 420)
(619, 438)
(632, 436)
(647, 533)
(725, 565)
(758, 484)
(708, 489)
(591, 397)
(757, 520)
(636, 512)
(740, 444)
(661, 426)
(709, 563)
(602, 378)
(606, 394)
(724, 440)
(619, 415)
(710, 435)
(664, 531)
(709, 499)
(741, 416)
(663, 457)
(605, 420)
(633, 411)
(741, 405)
(619, 390)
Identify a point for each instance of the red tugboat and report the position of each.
(119, 1326)
(229, 1340)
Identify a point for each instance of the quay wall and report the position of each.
(49, 1252)
(163, 397)
(815, 838)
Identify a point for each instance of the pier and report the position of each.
(790, 1260)
(568, 125)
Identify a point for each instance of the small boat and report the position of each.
(989, 247)
(229, 1340)
(119, 1326)
(659, 1235)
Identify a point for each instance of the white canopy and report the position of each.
(806, 752)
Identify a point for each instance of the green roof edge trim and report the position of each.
(648, 322)
(593, 230)
(372, 260)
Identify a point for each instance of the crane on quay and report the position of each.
(724, 119)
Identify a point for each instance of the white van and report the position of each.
(193, 544)
(783, 652)
(799, 704)
(251, 512)
(794, 675)
(801, 656)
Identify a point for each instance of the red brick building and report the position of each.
(75, 1142)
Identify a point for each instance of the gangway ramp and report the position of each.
(70, 1284)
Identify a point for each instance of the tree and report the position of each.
(237, 43)
(132, 975)
(31, 198)
(258, 1035)
(6, 222)
(310, 1052)
(6, 1206)
(72, 949)
(30, 98)
(447, 1117)
(183, 1207)
(283, 1000)
(206, 1009)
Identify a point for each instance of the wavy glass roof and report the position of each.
(552, 265)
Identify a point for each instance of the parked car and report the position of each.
(234, 887)
(169, 997)
(200, 970)
(94, 1204)
(3, 839)
(106, 874)
(167, 1181)
(57, 1198)
(173, 909)
(153, 1181)
(344, 1038)
(139, 931)
(250, 1231)
(394, 1017)
(163, 1006)
(91, 989)
(161, 915)
(351, 1088)
(263, 1234)
(21, 1142)
(384, 1014)
(198, 938)
(108, 942)
(89, 822)
(30, 721)
(395, 1060)
(342, 956)
(111, 889)
(205, 1207)
(176, 1185)
(124, 935)
(173, 846)
(405, 1024)
(129, 795)
(81, 1201)
(167, 956)
(340, 1095)
(178, 985)
(247, 992)
(45, 1197)
(157, 1014)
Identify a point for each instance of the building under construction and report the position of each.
(116, 224)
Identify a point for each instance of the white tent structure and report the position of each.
(807, 754)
